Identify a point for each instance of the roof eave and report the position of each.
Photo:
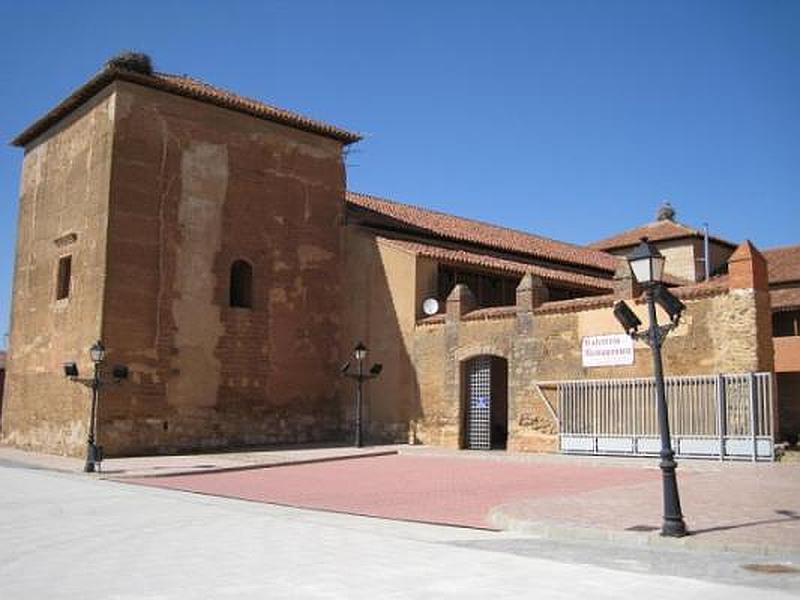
(698, 235)
(86, 91)
(356, 209)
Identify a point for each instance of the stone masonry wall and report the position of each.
(722, 331)
(63, 211)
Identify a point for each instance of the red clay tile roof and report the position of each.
(657, 231)
(783, 263)
(463, 257)
(495, 236)
(189, 88)
(785, 299)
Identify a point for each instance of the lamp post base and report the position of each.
(92, 458)
(674, 528)
(673, 524)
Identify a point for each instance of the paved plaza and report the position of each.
(728, 506)
(239, 525)
(67, 535)
(434, 489)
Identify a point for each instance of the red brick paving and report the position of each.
(432, 489)
(729, 506)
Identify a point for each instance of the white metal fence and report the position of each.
(724, 416)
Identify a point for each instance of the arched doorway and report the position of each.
(485, 403)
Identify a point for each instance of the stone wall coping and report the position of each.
(494, 312)
(715, 287)
(432, 320)
(575, 304)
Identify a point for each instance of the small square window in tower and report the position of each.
(64, 277)
(241, 292)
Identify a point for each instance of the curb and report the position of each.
(501, 519)
(248, 467)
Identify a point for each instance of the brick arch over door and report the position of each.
(467, 352)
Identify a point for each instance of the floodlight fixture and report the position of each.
(119, 372)
(376, 369)
(626, 317)
(70, 369)
(671, 305)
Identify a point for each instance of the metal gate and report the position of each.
(479, 403)
(722, 416)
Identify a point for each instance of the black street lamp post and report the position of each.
(647, 265)
(94, 453)
(360, 354)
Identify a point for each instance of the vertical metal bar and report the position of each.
(720, 397)
(575, 409)
(595, 416)
(751, 380)
(568, 418)
(626, 404)
(769, 401)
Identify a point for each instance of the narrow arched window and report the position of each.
(241, 284)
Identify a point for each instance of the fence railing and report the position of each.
(727, 416)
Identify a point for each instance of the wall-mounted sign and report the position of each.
(607, 350)
(480, 402)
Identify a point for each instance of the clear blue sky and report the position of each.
(567, 119)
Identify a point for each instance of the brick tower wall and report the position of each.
(194, 188)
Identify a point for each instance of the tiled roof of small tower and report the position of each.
(494, 236)
(665, 227)
(187, 87)
(783, 263)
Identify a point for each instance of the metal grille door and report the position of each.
(479, 414)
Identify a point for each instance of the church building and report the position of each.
(210, 242)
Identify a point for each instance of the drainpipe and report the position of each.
(706, 252)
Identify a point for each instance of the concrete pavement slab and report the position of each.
(155, 466)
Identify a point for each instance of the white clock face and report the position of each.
(430, 306)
